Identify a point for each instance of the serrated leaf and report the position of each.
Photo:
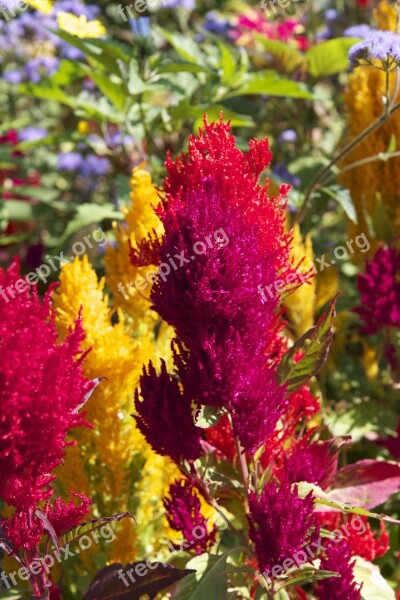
(324, 499)
(314, 345)
(74, 534)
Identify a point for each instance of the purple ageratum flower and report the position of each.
(358, 31)
(77, 8)
(281, 171)
(13, 76)
(184, 514)
(380, 291)
(289, 135)
(338, 559)
(94, 166)
(164, 416)
(331, 15)
(280, 524)
(31, 134)
(187, 4)
(69, 161)
(379, 45)
(41, 66)
(216, 23)
(140, 27)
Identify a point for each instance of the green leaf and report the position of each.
(343, 198)
(323, 498)
(209, 581)
(99, 52)
(288, 58)
(75, 534)
(207, 416)
(314, 345)
(187, 48)
(113, 89)
(183, 66)
(330, 57)
(86, 214)
(307, 574)
(228, 63)
(269, 83)
(375, 587)
(362, 419)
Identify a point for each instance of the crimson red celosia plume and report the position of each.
(218, 217)
(41, 390)
(42, 386)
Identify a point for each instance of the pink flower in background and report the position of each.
(380, 291)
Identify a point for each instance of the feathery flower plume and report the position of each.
(165, 418)
(183, 508)
(115, 452)
(338, 559)
(380, 291)
(42, 389)
(379, 181)
(315, 463)
(281, 523)
(215, 211)
(121, 274)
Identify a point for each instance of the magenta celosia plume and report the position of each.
(41, 390)
(42, 386)
(380, 291)
(228, 335)
(165, 418)
(315, 462)
(338, 559)
(184, 514)
(280, 523)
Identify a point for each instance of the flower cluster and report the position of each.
(281, 523)
(338, 559)
(184, 514)
(212, 302)
(383, 46)
(42, 390)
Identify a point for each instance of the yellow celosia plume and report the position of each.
(374, 187)
(300, 304)
(140, 220)
(112, 462)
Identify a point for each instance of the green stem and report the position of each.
(348, 148)
(359, 163)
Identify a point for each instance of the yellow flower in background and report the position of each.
(44, 6)
(374, 187)
(112, 462)
(140, 219)
(300, 303)
(80, 26)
